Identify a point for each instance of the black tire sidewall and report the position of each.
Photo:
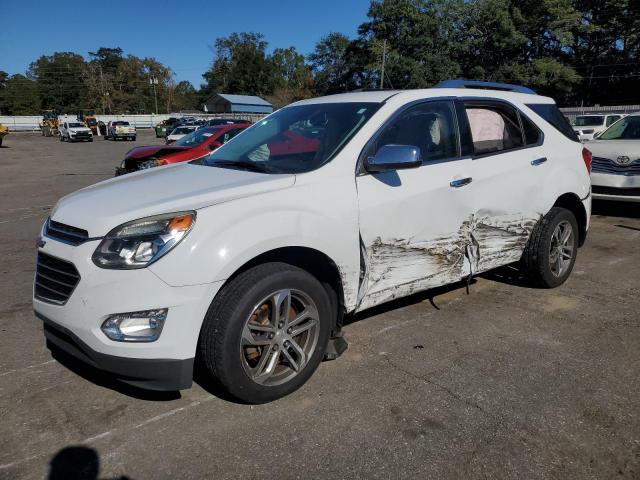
(228, 366)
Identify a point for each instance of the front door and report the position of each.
(414, 223)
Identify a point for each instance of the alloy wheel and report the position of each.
(279, 337)
(561, 248)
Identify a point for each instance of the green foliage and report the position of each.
(18, 95)
(576, 51)
(240, 66)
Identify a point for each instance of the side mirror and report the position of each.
(393, 157)
(214, 145)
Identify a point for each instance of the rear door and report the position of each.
(508, 170)
(413, 223)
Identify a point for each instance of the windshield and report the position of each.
(91, 121)
(626, 129)
(183, 130)
(295, 139)
(589, 121)
(121, 124)
(76, 125)
(196, 138)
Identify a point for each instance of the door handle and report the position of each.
(460, 182)
(538, 161)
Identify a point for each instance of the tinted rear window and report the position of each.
(552, 114)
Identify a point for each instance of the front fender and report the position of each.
(228, 235)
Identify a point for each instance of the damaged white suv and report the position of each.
(247, 260)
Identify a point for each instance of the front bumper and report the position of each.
(101, 293)
(625, 188)
(150, 374)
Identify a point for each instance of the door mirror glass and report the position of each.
(394, 157)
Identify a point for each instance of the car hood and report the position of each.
(79, 129)
(105, 205)
(614, 148)
(153, 150)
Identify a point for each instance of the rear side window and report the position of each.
(494, 128)
(612, 119)
(551, 113)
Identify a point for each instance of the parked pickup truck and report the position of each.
(74, 132)
(120, 129)
(246, 260)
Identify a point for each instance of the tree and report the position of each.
(330, 64)
(292, 77)
(240, 66)
(19, 96)
(60, 79)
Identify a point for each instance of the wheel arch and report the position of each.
(572, 202)
(313, 261)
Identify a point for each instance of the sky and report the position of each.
(180, 34)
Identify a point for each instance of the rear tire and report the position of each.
(250, 347)
(551, 252)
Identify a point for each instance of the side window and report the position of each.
(430, 126)
(532, 134)
(494, 128)
(612, 119)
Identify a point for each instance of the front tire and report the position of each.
(266, 332)
(552, 248)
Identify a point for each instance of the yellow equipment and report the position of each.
(49, 124)
(3, 131)
(91, 122)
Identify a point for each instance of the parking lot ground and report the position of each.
(506, 382)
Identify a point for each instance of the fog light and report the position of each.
(144, 326)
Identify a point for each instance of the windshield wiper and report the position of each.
(241, 165)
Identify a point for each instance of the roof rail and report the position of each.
(507, 87)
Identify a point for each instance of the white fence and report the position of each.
(32, 122)
(573, 112)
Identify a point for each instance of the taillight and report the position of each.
(587, 156)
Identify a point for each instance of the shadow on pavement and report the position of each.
(105, 380)
(76, 463)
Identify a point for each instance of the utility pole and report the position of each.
(154, 81)
(384, 58)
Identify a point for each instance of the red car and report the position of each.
(196, 145)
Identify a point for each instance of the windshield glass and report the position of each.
(626, 129)
(295, 139)
(121, 124)
(589, 121)
(76, 125)
(183, 130)
(91, 121)
(197, 137)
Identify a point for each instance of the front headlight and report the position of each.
(139, 243)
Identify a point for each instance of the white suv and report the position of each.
(588, 127)
(247, 260)
(75, 131)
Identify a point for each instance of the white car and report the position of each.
(587, 127)
(615, 173)
(248, 259)
(181, 131)
(75, 131)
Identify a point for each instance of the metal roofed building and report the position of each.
(226, 103)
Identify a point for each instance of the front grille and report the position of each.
(65, 233)
(604, 165)
(623, 192)
(82, 134)
(55, 279)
